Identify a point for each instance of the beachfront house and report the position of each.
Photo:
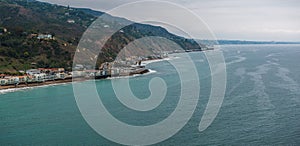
(2, 76)
(30, 79)
(3, 82)
(22, 79)
(32, 72)
(12, 80)
(50, 77)
(98, 74)
(92, 73)
(76, 74)
(60, 76)
(104, 72)
(39, 77)
(78, 67)
(51, 70)
(115, 72)
(61, 70)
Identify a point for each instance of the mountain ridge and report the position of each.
(26, 21)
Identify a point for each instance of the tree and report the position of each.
(26, 54)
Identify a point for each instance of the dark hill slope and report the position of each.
(20, 47)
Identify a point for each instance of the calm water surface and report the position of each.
(261, 106)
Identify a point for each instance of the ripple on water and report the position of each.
(287, 83)
(263, 98)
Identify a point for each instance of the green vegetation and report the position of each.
(25, 20)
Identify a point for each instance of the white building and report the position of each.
(78, 67)
(3, 82)
(71, 21)
(39, 77)
(45, 36)
(11, 80)
(60, 76)
(78, 74)
(33, 72)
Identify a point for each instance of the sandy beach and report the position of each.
(35, 84)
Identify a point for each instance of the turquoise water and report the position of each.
(261, 105)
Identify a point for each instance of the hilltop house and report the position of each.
(71, 21)
(3, 30)
(45, 37)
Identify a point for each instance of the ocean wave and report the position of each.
(238, 60)
(159, 60)
(5, 91)
(272, 55)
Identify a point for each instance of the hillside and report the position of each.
(37, 34)
(244, 42)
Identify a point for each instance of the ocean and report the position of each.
(261, 104)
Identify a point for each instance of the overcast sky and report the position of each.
(270, 20)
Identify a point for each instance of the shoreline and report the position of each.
(20, 86)
(12, 88)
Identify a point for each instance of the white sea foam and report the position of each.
(287, 83)
(151, 72)
(159, 60)
(258, 91)
(272, 55)
(238, 60)
(119, 77)
(4, 91)
(273, 63)
(153, 61)
(263, 98)
(241, 73)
